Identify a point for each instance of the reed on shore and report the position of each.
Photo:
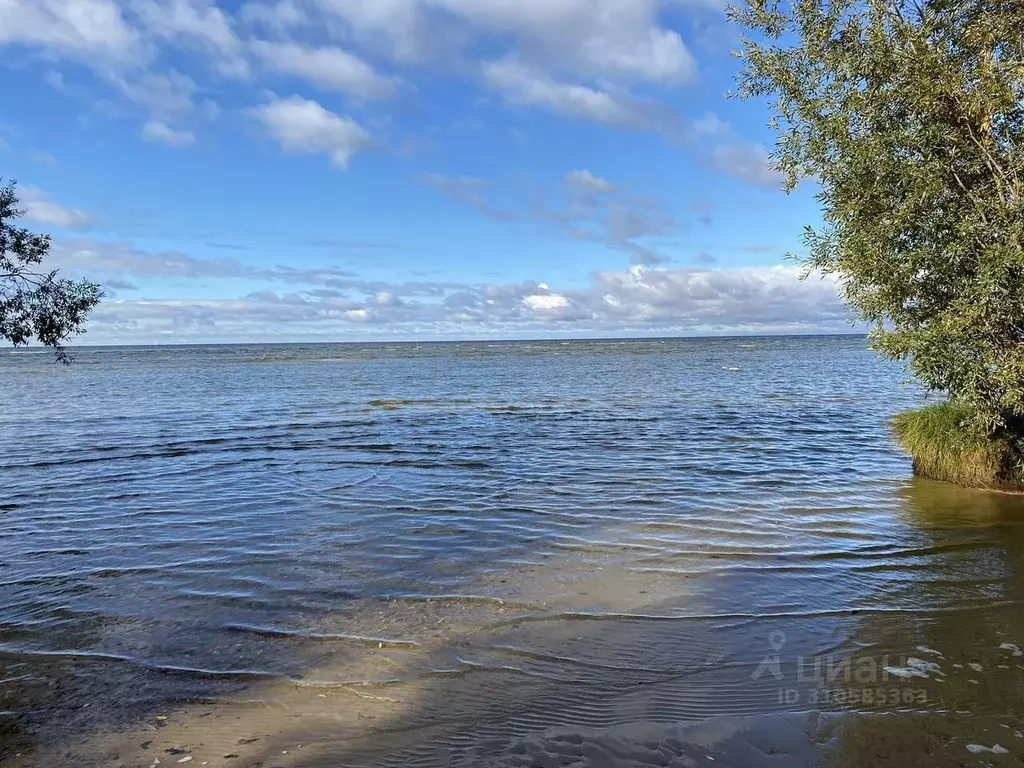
(944, 446)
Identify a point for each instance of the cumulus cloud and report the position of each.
(746, 296)
(325, 301)
(640, 300)
(657, 56)
(545, 302)
(159, 131)
(119, 41)
(574, 58)
(196, 23)
(302, 125)
(710, 124)
(40, 209)
(590, 37)
(582, 59)
(585, 181)
(749, 162)
(278, 17)
(167, 98)
(85, 30)
(328, 67)
(523, 85)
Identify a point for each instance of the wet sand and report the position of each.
(583, 664)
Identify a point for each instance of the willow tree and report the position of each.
(907, 115)
(36, 304)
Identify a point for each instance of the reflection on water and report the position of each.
(505, 554)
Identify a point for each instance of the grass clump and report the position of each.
(945, 446)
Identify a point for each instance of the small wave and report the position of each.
(423, 402)
(370, 642)
(116, 658)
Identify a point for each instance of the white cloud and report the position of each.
(199, 23)
(711, 124)
(165, 96)
(660, 56)
(589, 37)
(301, 125)
(121, 42)
(542, 302)
(585, 181)
(55, 80)
(87, 257)
(741, 296)
(155, 130)
(750, 162)
(575, 58)
(330, 68)
(279, 17)
(40, 209)
(324, 301)
(639, 301)
(87, 30)
(526, 86)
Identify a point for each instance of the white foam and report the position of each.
(977, 749)
(905, 672)
(1012, 648)
(915, 668)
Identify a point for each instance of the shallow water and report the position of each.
(480, 553)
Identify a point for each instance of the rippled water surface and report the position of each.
(505, 554)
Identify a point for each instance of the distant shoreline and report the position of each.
(412, 342)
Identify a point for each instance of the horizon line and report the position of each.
(476, 340)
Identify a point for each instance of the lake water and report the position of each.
(651, 552)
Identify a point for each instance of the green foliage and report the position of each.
(36, 305)
(944, 446)
(909, 115)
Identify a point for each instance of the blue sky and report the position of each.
(355, 169)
